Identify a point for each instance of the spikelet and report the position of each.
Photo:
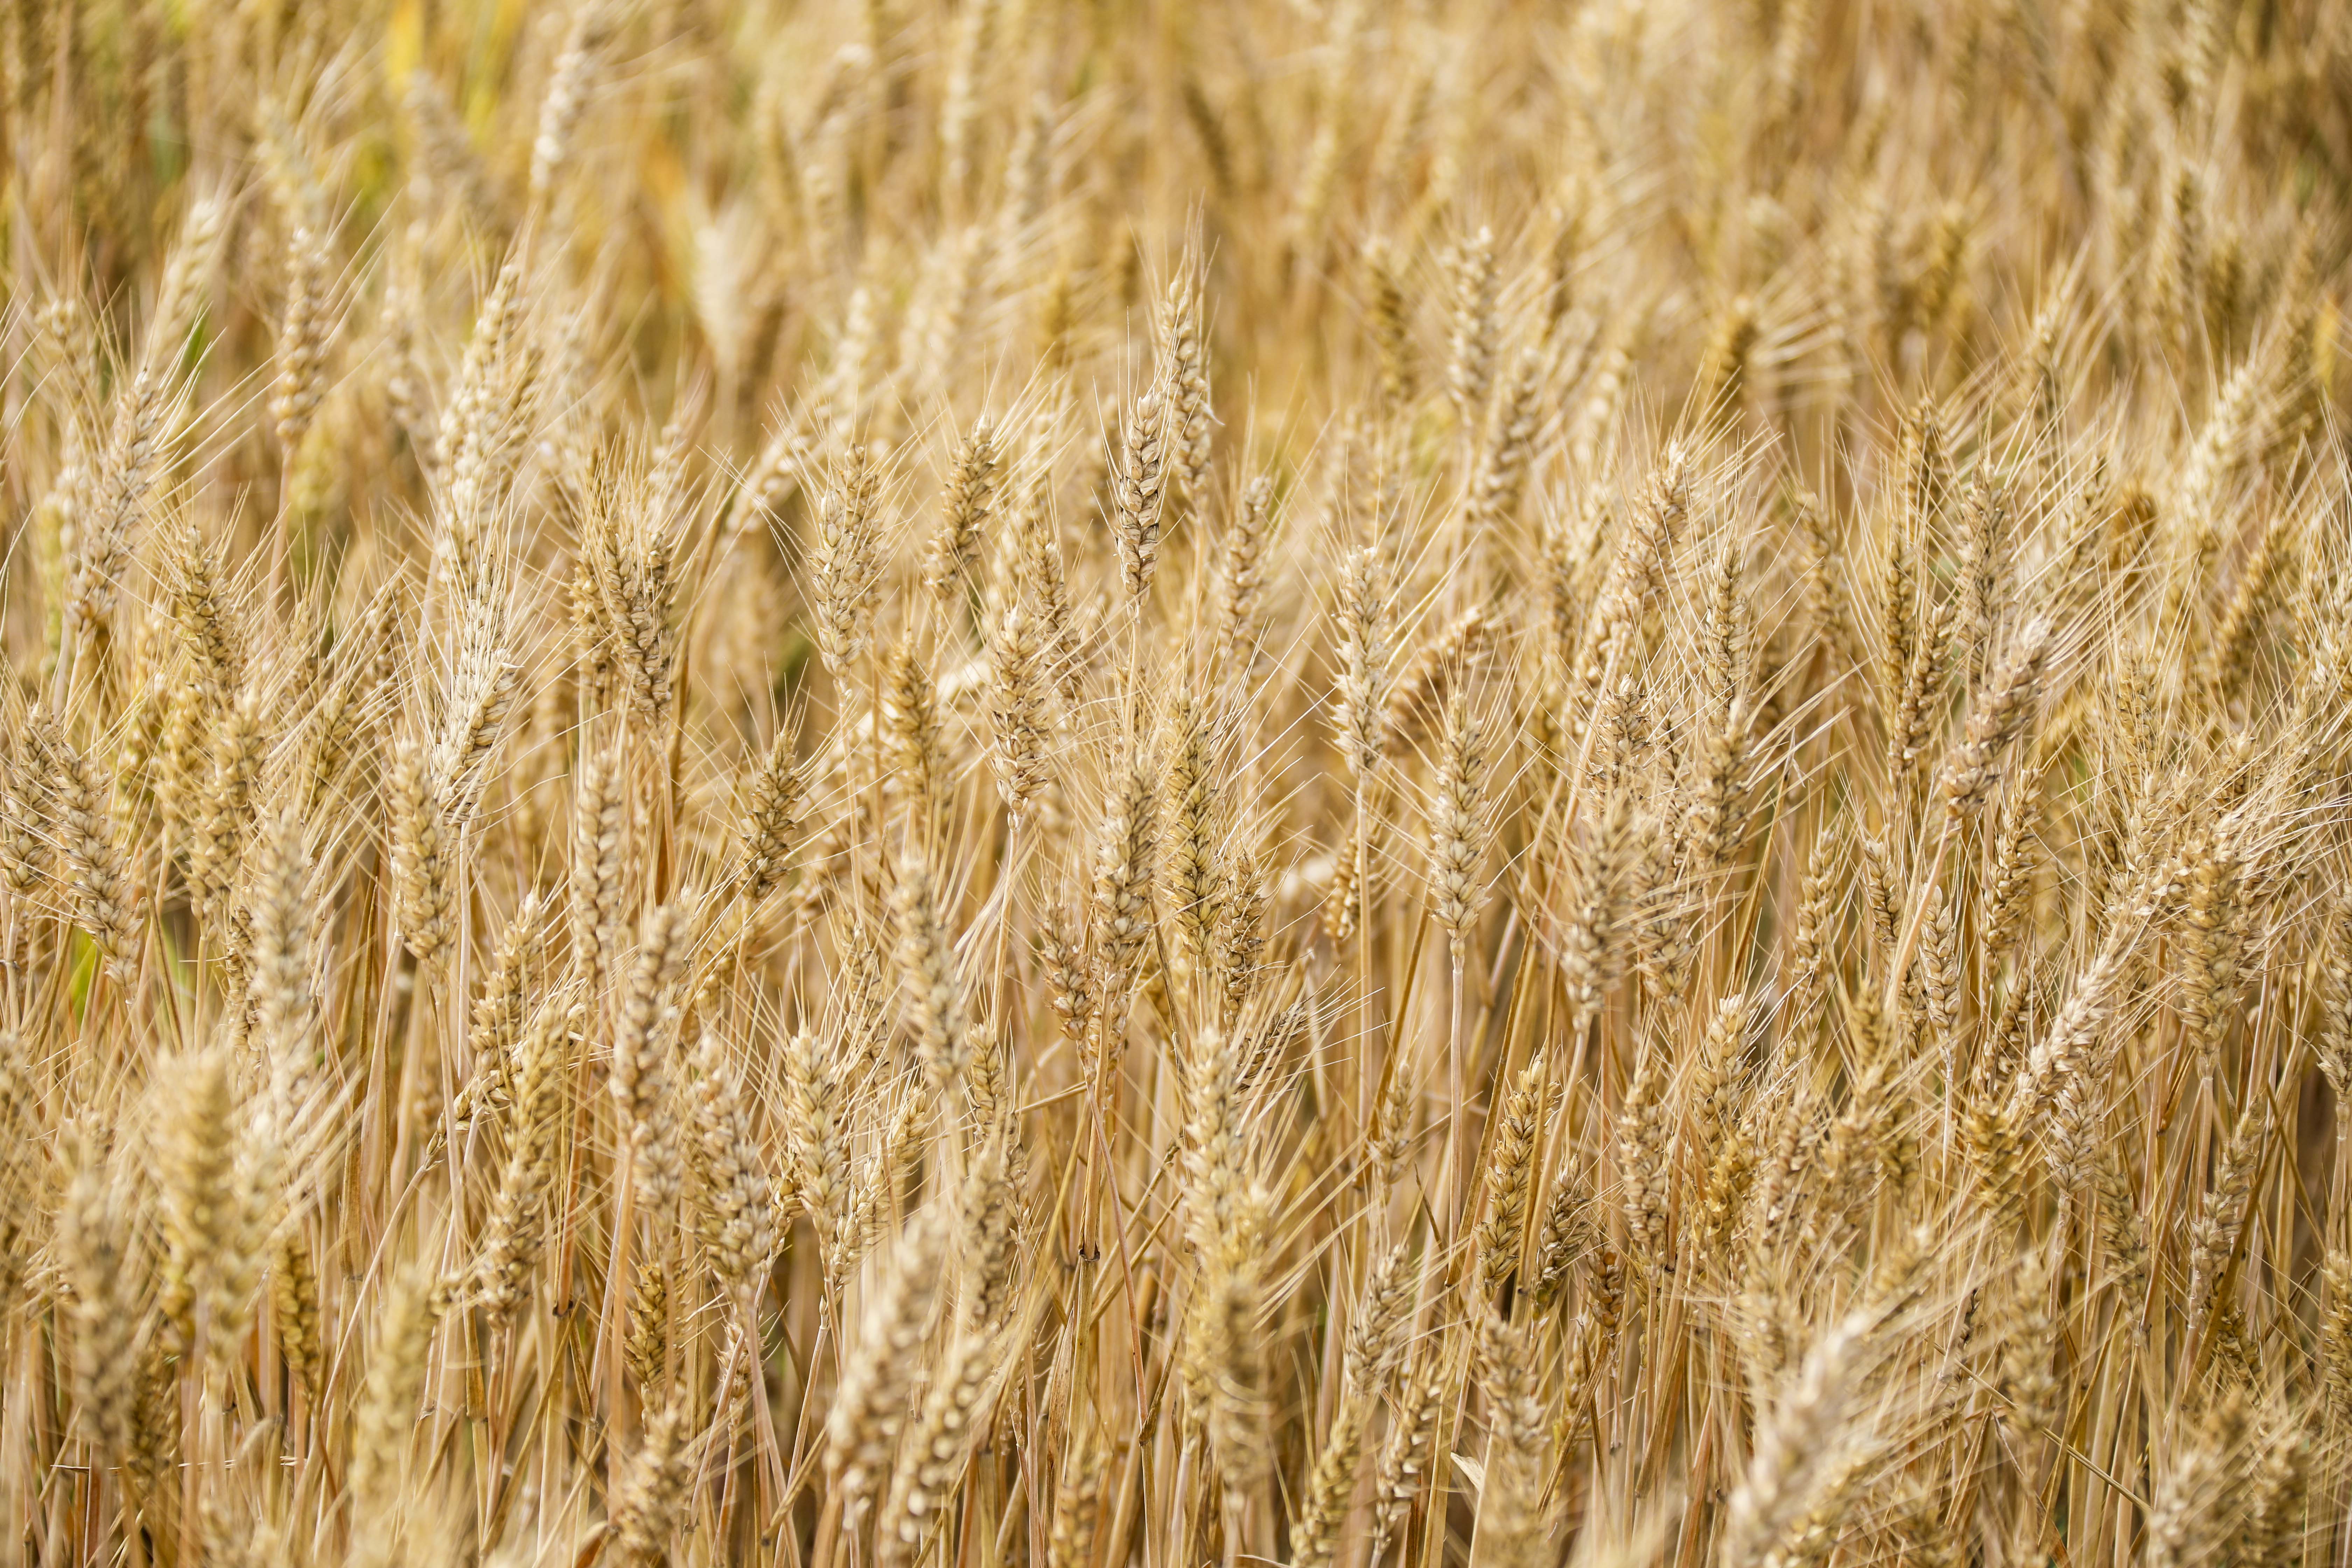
(294, 1309)
(302, 330)
(913, 737)
(1067, 974)
(1388, 313)
(1222, 1355)
(1241, 575)
(629, 547)
(1125, 853)
(1470, 371)
(423, 859)
(1459, 828)
(226, 810)
(478, 430)
(2189, 1511)
(1641, 1166)
(819, 1156)
(1314, 1538)
(878, 1370)
(93, 1241)
(386, 1413)
(1510, 1170)
(1994, 724)
(1139, 486)
(110, 520)
(599, 861)
(1509, 445)
(2336, 1336)
(214, 1197)
(1044, 575)
(965, 510)
(1595, 942)
(944, 1433)
(1408, 1461)
(514, 1233)
(652, 1492)
(566, 96)
(1194, 832)
(642, 1050)
(105, 902)
(846, 561)
(735, 1195)
(2213, 1237)
(1188, 384)
(1077, 1504)
(1360, 715)
(1018, 722)
(1511, 1509)
(1420, 699)
(280, 982)
(1795, 1448)
(1376, 1340)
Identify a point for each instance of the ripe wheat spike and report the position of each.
(1079, 783)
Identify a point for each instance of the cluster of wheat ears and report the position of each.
(903, 785)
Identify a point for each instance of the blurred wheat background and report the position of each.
(1081, 783)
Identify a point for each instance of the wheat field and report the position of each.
(1083, 782)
